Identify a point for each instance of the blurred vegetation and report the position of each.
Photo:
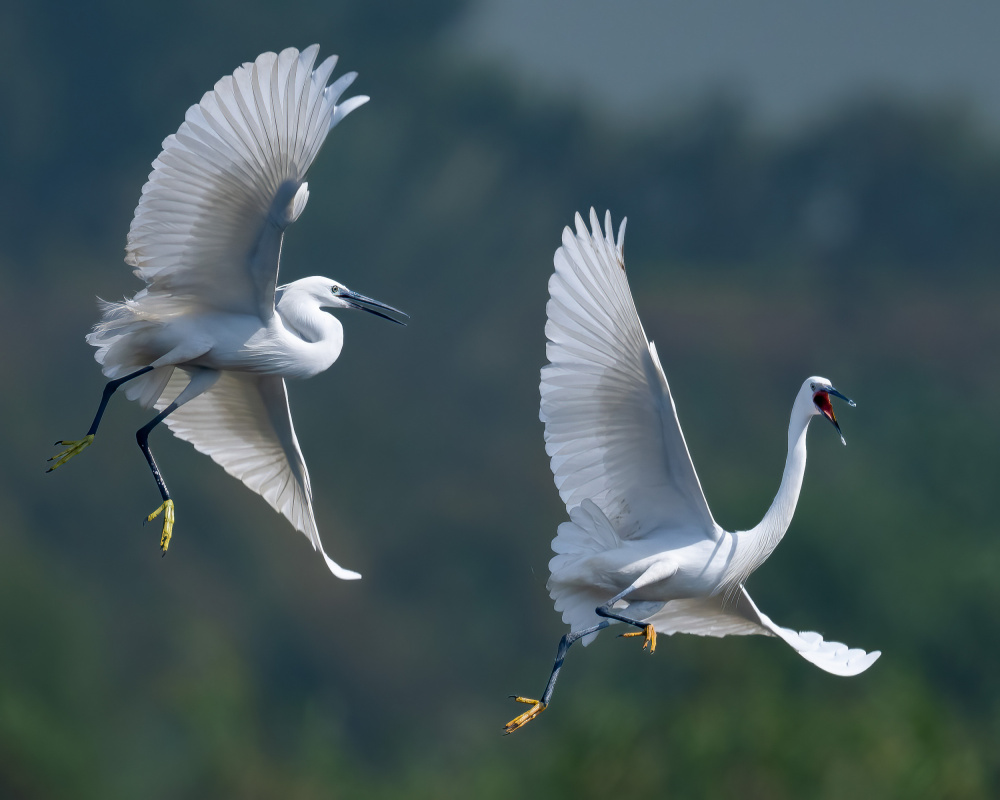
(862, 248)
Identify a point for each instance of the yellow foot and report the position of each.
(649, 632)
(168, 523)
(72, 448)
(537, 707)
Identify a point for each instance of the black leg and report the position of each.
(201, 381)
(142, 437)
(605, 610)
(538, 706)
(109, 389)
(645, 630)
(167, 507)
(564, 645)
(78, 446)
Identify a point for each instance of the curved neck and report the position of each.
(779, 516)
(317, 337)
(755, 545)
(305, 318)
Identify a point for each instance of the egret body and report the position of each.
(641, 546)
(211, 338)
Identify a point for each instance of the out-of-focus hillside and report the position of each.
(862, 249)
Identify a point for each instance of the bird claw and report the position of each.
(537, 707)
(72, 449)
(167, 507)
(649, 632)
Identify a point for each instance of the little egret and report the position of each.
(641, 546)
(211, 338)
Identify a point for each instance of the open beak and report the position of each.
(355, 300)
(822, 401)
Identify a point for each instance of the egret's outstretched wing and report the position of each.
(834, 657)
(611, 429)
(715, 616)
(244, 424)
(207, 230)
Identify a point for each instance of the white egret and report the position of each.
(641, 546)
(211, 338)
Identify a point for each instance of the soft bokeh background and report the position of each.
(808, 192)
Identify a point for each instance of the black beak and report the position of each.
(836, 425)
(847, 400)
(355, 300)
(822, 401)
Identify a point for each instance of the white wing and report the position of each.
(207, 230)
(611, 429)
(712, 616)
(244, 424)
(834, 657)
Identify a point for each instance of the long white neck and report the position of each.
(318, 336)
(304, 317)
(755, 545)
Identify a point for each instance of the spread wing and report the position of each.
(833, 657)
(716, 616)
(611, 429)
(207, 231)
(243, 423)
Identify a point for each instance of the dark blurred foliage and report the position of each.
(861, 248)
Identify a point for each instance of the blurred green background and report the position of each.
(860, 245)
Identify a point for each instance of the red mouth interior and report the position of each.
(822, 401)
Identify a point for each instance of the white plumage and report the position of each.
(211, 338)
(641, 545)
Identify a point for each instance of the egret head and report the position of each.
(816, 391)
(329, 293)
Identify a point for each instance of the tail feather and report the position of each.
(120, 337)
(588, 533)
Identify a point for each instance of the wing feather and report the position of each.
(716, 616)
(208, 227)
(244, 425)
(611, 429)
(833, 657)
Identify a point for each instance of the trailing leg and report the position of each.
(73, 447)
(538, 706)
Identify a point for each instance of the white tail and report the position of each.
(587, 533)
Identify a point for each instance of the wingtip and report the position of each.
(871, 658)
(339, 571)
(837, 659)
(595, 223)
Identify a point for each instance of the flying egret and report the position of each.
(211, 338)
(641, 546)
